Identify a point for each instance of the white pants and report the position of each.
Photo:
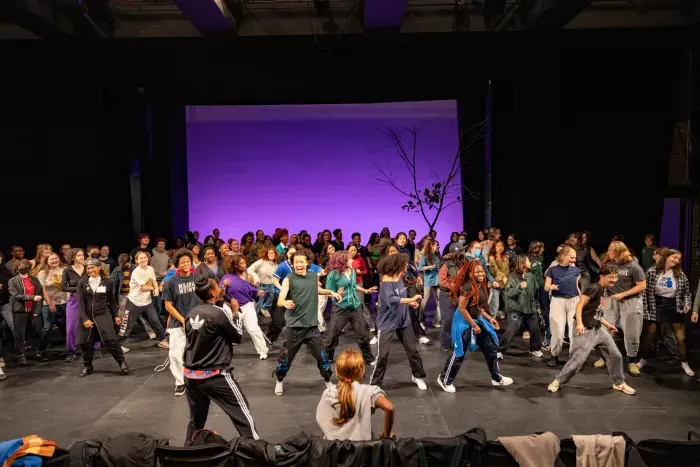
(249, 320)
(322, 301)
(176, 354)
(562, 311)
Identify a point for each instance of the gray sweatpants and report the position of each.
(585, 343)
(630, 313)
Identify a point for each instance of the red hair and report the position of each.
(464, 275)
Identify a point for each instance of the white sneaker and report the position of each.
(328, 384)
(423, 340)
(2, 375)
(445, 387)
(537, 354)
(688, 371)
(263, 356)
(505, 381)
(641, 363)
(499, 355)
(152, 335)
(373, 341)
(420, 383)
(265, 313)
(124, 349)
(279, 388)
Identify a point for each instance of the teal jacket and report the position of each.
(519, 299)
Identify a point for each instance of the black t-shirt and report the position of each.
(593, 310)
(473, 310)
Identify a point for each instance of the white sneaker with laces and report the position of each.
(537, 354)
(499, 355)
(505, 381)
(686, 368)
(373, 341)
(445, 387)
(420, 383)
(423, 340)
(279, 388)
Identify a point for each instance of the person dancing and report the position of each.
(521, 306)
(562, 280)
(211, 332)
(452, 262)
(98, 310)
(238, 286)
(472, 326)
(342, 279)
(393, 318)
(283, 270)
(667, 299)
(590, 334)
(299, 296)
(626, 304)
(180, 299)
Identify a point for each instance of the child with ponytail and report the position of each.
(345, 410)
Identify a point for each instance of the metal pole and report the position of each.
(488, 215)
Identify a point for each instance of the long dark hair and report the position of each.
(661, 265)
(519, 265)
(464, 275)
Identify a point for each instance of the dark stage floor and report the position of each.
(49, 399)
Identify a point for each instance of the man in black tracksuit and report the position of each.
(211, 332)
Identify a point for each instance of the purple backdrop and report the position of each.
(311, 167)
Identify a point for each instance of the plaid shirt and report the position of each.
(683, 297)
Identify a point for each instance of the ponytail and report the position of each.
(349, 367)
(346, 399)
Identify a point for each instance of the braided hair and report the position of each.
(464, 275)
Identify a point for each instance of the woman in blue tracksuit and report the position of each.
(472, 326)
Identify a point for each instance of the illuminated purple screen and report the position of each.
(312, 167)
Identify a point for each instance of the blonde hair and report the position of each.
(564, 250)
(349, 367)
(622, 253)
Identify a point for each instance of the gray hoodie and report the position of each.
(359, 427)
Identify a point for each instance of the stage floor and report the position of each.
(50, 400)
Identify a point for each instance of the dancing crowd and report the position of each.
(196, 299)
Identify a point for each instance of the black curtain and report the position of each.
(64, 176)
(471, 116)
(582, 143)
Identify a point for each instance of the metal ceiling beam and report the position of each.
(384, 14)
(51, 19)
(210, 17)
(553, 14)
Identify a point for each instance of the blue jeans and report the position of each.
(265, 302)
(49, 319)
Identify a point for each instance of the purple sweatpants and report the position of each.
(72, 323)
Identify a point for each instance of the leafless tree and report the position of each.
(443, 190)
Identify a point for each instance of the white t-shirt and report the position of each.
(666, 285)
(140, 277)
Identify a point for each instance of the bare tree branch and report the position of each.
(430, 200)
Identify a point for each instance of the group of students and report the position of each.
(211, 297)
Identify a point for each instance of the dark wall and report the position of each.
(585, 146)
(63, 174)
(76, 115)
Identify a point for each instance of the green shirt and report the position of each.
(335, 281)
(647, 257)
(303, 291)
(536, 266)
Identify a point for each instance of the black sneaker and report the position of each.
(98, 353)
(42, 356)
(180, 390)
(554, 361)
(21, 360)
